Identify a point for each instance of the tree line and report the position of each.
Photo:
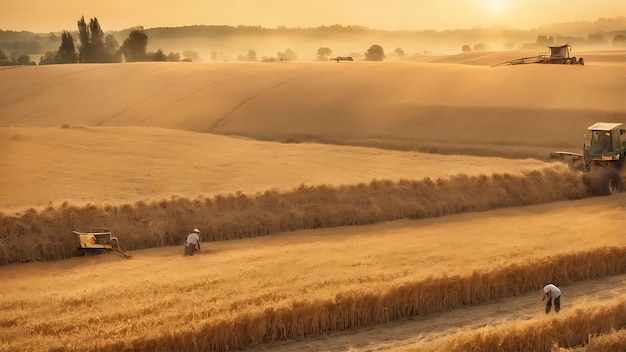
(543, 41)
(92, 46)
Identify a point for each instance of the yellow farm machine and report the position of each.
(603, 158)
(99, 240)
(559, 54)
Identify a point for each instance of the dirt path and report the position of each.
(404, 334)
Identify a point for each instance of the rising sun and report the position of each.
(495, 6)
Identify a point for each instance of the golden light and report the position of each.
(495, 6)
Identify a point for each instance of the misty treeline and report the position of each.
(15, 47)
(90, 44)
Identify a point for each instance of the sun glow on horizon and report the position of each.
(45, 16)
(496, 6)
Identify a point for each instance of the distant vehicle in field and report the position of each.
(559, 54)
(99, 240)
(342, 58)
(603, 158)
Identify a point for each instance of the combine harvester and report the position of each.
(558, 55)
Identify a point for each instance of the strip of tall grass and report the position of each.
(613, 341)
(39, 235)
(347, 310)
(579, 327)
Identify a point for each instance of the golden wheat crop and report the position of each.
(207, 314)
(612, 341)
(47, 234)
(547, 333)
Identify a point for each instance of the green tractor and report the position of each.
(603, 158)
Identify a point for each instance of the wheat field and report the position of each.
(341, 207)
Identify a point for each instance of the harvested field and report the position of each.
(416, 191)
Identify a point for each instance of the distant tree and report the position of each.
(112, 49)
(543, 41)
(480, 47)
(67, 51)
(251, 57)
(84, 47)
(288, 55)
(466, 48)
(4, 59)
(192, 55)
(24, 60)
(323, 53)
(375, 53)
(158, 56)
(214, 55)
(97, 41)
(91, 48)
(49, 58)
(134, 47)
(173, 57)
(619, 41)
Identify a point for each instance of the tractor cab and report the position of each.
(560, 52)
(607, 142)
(602, 161)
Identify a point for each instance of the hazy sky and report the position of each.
(51, 16)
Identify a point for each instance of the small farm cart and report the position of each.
(99, 240)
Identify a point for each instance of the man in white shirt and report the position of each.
(552, 292)
(193, 241)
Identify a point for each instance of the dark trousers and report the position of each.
(557, 304)
(189, 248)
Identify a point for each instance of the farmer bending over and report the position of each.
(193, 243)
(552, 292)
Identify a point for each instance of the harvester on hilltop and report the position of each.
(559, 54)
(603, 159)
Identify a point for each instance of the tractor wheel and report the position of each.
(604, 183)
(574, 61)
(581, 61)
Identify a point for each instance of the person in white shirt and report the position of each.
(552, 292)
(192, 243)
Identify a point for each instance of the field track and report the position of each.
(410, 334)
